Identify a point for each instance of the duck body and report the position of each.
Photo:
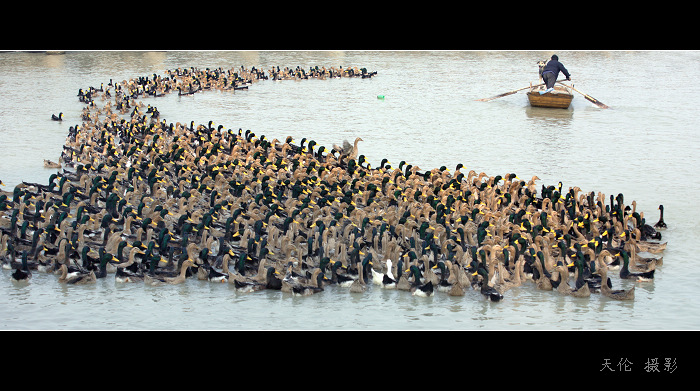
(342, 280)
(214, 275)
(125, 275)
(424, 290)
(130, 271)
(385, 280)
(418, 288)
(272, 281)
(22, 274)
(661, 224)
(388, 282)
(542, 279)
(616, 294)
(580, 288)
(487, 290)
(607, 290)
(51, 164)
(155, 279)
(76, 277)
(46, 266)
(403, 284)
(312, 286)
(582, 291)
(306, 290)
(444, 285)
(246, 286)
(359, 285)
(592, 278)
(457, 287)
(625, 273)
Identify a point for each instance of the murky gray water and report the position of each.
(646, 147)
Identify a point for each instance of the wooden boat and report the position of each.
(560, 98)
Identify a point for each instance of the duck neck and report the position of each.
(183, 269)
(579, 277)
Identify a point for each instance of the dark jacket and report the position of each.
(555, 66)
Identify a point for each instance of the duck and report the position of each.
(58, 117)
(661, 224)
(22, 274)
(292, 278)
(154, 279)
(581, 285)
(48, 262)
(241, 267)
(542, 279)
(100, 269)
(428, 273)
(580, 288)
(448, 279)
(237, 277)
(125, 275)
(129, 271)
(456, 288)
(418, 288)
(188, 92)
(640, 263)
(460, 273)
(617, 294)
(51, 164)
(315, 285)
(76, 277)
(590, 273)
(272, 281)
(359, 285)
(403, 283)
(514, 279)
(643, 245)
(343, 279)
(385, 280)
(562, 271)
(349, 150)
(625, 273)
(45, 264)
(246, 285)
(486, 289)
(216, 276)
(606, 286)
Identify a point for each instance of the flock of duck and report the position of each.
(140, 200)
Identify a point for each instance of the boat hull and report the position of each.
(560, 98)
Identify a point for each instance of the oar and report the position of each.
(588, 97)
(507, 93)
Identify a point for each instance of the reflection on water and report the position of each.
(547, 117)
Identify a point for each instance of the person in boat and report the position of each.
(550, 72)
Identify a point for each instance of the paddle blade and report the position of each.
(497, 96)
(596, 102)
(505, 94)
(588, 97)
